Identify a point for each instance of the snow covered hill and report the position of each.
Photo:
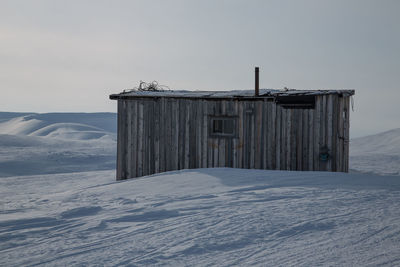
(205, 217)
(46, 124)
(378, 153)
(33, 143)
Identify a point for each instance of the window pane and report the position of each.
(228, 126)
(217, 126)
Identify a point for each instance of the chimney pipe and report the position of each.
(257, 87)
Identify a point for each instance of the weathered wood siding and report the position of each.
(163, 134)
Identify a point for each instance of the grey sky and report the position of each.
(70, 55)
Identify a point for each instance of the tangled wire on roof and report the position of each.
(153, 86)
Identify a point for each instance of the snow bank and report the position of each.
(214, 217)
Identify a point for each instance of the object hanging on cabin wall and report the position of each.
(324, 154)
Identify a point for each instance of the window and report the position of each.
(297, 101)
(222, 126)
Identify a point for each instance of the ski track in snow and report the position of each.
(205, 217)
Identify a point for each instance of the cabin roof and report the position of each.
(235, 94)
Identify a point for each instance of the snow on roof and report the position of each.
(226, 94)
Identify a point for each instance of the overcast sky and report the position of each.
(58, 56)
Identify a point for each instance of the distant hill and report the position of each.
(35, 124)
(32, 143)
(379, 153)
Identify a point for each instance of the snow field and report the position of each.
(201, 217)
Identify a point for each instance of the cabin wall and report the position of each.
(163, 134)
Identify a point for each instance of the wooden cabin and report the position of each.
(275, 130)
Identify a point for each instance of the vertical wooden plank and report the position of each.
(151, 136)
(181, 135)
(304, 143)
(293, 138)
(146, 137)
(169, 133)
(239, 148)
(156, 135)
(272, 136)
(229, 142)
(140, 139)
(199, 132)
(264, 134)
(347, 133)
(163, 141)
(322, 164)
(299, 139)
(257, 134)
(329, 133)
(221, 141)
(252, 134)
(245, 144)
(187, 133)
(204, 135)
(344, 123)
(210, 141)
(334, 132)
(133, 138)
(235, 141)
(175, 125)
(247, 152)
(125, 134)
(283, 138)
(192, 132)
(120, 142)
(133, 144)
(215, 143)
(311, 142)
(128, 139)
(317, 131)
(171, 146)
(341, 134)
(278, 137)
(143, 139)
(288, 139)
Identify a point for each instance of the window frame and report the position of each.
(223, 134)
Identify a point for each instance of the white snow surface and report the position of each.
(204, 217)
(379, 153)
